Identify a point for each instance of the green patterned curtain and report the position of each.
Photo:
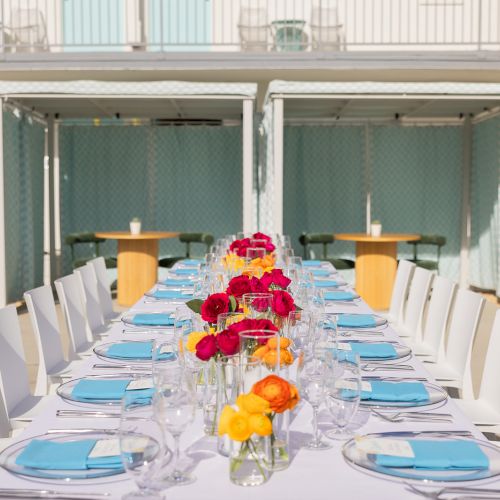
(417, 186)
(185, 178)
(485, 206)
(23, 142)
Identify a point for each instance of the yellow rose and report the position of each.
(238, 427)
(193, 339)
(251, 403)
(260, 424)
(225, 416)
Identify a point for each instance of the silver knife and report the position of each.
(32, 493)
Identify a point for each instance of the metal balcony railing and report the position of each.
(248, 25)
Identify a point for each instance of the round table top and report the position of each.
(384, 238)
(144, 235)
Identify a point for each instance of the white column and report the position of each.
(466, 209)
(368, 178)
(3, 275)
(46, 210)
(278, 163)
(57, 204)
(247, 165)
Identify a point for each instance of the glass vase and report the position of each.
(247, 461)
(278, 455)
(208, 386)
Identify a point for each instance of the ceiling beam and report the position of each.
(102, 108)
(177, 108)
(420, 107)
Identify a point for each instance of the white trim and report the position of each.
(57, 202)
(3, 268)
(399, 97)
(278, 112)
(46, 210)
(225, 97)
(466, 208)
(368, 178)
(247, 131)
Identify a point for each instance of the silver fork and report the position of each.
(373, 367)
(413, 416)
(469, 492)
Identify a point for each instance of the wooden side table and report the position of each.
(376, 265)
(137, 262)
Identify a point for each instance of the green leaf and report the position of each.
(195, 305)
(233, 303)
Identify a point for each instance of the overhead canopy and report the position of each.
(164, 99)
(384, 100)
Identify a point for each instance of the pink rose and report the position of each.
(270, 248)
(257, 286)
(257, 325)
(277, 278)
(240, 247)
(261, 236)
(239, 285)
(206, 347)
(214, 305)
(282, 303)
(228, 342)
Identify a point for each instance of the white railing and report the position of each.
(248, 25)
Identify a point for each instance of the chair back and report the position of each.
(307, 239)
(491, 372)
(417, 300)
(326, 30)
(433, 334)
(42, 311)
(88, 284)
(431, 240)
(5, 426)
(14, 383)
(28, 28)
(253, 28)
(70, 298)
(188, 238)
(87, 240)
(103, 287)
(463, 328)
(400, 290)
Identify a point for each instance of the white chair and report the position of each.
(103, 288)
(438, 312)
(254, 29)
(411, 325)
(28, 31)
(20, 404)
(70, 298)
(52, 367)
(326, 31)
(452, 368)
(88, 284)
(400, 291)
(485, 410)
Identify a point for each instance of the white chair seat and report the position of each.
(27, 410)
(445, 373)
(422, 349)
(479, 411)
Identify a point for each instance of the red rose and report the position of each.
(206, 347)
(282, 303)
(228, 342)
(257, 286)
(265, 324)
(240, 247)
(261, 236)
(270, 247)
(277, 278)
(238, 286)
(214, 305)
(257, 325)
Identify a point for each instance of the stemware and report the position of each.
(174, 406)
(312, 387)
(255, 253)
(298, 330)
(258, 305)
(143, 454)
(226, 319)
(267, 346)
(324, 334)
(343, 391)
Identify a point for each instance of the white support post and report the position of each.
(278, 123)
(3, 268)
(46, 210)
(247, 165)
(466, 209)
(368, 177)
(57, 204)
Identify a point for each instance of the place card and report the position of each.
(143, 383)
(167, 349)
(105, 448)
(392, 447)
(352, 386)
(344, 346)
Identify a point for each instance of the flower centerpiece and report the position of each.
(250, 428)
(258, 240)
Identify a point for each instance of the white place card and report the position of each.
(352, 386)
(167, 349)
(392, 447)
(344, 346)
(143, 383)
(105, 448)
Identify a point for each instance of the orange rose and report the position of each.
(281, 395)
(238, 427)
(284, 343)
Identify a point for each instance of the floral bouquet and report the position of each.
(258, 240)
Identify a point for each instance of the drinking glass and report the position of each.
(255, 253)
(266, 346)
(298, 330)
(324, 334)
(227, 319)
(174, 406)
(165, 351)
(343, 391)
(312, 387)
(294, 262)
(316, 300)
(258, 305)
(143, 452)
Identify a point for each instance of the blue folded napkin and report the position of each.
(171, 294)
(439, 455)
(153, 319)
(94, 390)
(325, 283)
(71, 455)
(130, 350)
(311, 263)
(382, 350)
(191, 262)
(185, 271)
(402, 392)
(339, 296)
(177, 282)
(321, 272)
(356, 320)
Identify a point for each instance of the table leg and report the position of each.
(376, 266)
(137, 269)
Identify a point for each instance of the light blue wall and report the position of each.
(23, 144)
(173, 178)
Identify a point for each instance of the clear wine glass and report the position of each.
(142, 447)
(312, 387)
(174, 407)
(343, 391)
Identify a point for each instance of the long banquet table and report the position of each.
(311, 474)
